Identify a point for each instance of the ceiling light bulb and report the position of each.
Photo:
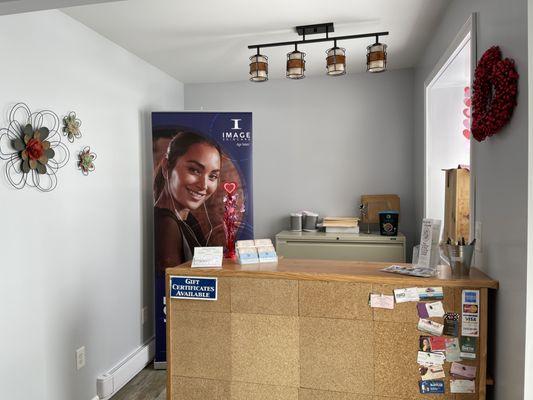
(336, 61)
(296, 65)
(258, 68)
(376, 57)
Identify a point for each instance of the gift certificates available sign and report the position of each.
(193, 288)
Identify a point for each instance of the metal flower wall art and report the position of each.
(32, 148)
(86, 159)
(71, 127)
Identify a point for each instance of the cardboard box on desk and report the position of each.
(378, 202)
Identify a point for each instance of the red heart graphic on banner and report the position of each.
(230, 187)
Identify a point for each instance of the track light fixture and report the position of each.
(336, 61)
(335, 56)
(295, 64)
(376, 57)
(258, 67)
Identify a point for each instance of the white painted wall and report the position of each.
(76, 263)
(502, 177)
(322, 142)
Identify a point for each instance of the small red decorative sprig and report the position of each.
(231, 216)
(495, 91)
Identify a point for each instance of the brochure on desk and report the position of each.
(231, 132)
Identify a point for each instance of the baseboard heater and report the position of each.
(113, 380)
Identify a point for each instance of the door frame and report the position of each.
(467, 32)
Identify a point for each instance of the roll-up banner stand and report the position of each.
(196, 155)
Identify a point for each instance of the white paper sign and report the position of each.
(429, 236)
(207, 257)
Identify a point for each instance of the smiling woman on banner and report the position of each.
(185, 178)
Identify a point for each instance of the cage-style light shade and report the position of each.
(295, 65)
(336, 61)
(376, 57)
(258, 68)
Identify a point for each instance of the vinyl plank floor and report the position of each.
(149, 384)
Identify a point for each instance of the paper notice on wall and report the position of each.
(429, 237)
(462, 386)
(381, 301)
(470, 313)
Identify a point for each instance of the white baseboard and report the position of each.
(112, 381)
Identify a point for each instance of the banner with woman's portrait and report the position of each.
(200, 158)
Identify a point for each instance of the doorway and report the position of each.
(447, 123)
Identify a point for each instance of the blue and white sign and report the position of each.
(193, 288)
(431, 387)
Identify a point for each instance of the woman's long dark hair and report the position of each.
(178, 146)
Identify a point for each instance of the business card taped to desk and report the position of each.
(381, 301)
(430, 310)
(429, 373)
(451, 324)
(406, 295)
(463, 371)
(430, 359)
(438, 343)
(470, 313)
(468, 346)
(431, 327)
(462, 386)
(431, 387)
(431, 293)
(453, 352)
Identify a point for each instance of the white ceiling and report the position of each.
(21, 6)
(206, 40)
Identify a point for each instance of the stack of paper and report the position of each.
(341, 224)
(253, 251)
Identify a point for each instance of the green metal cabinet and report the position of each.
(335, 246)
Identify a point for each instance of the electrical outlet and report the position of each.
(80, 358)
(477, 235)
(144, 315)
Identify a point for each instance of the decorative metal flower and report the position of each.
(32, 147)
(35, 150)
(86, 160)
(71, 127)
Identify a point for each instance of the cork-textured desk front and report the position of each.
(303, 330)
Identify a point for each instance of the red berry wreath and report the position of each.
(494, 98)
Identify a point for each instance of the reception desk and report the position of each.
(304, 330)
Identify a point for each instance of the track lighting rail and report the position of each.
(326, 39)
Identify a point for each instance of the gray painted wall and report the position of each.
(321, 142)
(501, 166)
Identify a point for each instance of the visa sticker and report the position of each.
(431, 387)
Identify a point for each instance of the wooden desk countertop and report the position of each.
(340, 271)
